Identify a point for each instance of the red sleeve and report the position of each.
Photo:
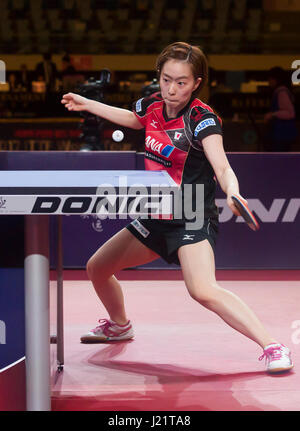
(140, 108)
(141, 119)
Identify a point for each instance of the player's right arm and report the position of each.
(123, 117)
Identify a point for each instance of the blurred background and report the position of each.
(106, 50)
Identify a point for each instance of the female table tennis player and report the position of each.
(191, 151)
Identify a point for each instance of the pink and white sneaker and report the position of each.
(278, 358)
(108, 330)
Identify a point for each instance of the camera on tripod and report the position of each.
(92, 125)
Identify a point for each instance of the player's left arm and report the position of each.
(214, 152)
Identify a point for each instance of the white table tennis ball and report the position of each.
(118, 135)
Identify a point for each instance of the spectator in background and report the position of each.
(13, 83)
(282, 118)
(69, 76)
(25, 79)
(47, 69)
(67, 67)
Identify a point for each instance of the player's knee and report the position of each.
(95, 270)
(90, 269)
(205, 294)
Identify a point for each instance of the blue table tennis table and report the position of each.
(38, 194)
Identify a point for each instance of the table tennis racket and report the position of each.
(244, 211)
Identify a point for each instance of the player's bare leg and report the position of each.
(121, 251)
(198, 267)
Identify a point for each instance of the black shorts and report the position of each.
(166, 237)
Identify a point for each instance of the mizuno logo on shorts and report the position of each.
(203, 124)
(140, 228)
(190, 237)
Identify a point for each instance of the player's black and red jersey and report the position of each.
(175, 144)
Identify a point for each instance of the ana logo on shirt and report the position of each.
(158, 147)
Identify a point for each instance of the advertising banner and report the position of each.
(270, 183)
(12, 339)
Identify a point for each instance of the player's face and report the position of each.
(177, 84)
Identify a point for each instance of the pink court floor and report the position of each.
(183, 357)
